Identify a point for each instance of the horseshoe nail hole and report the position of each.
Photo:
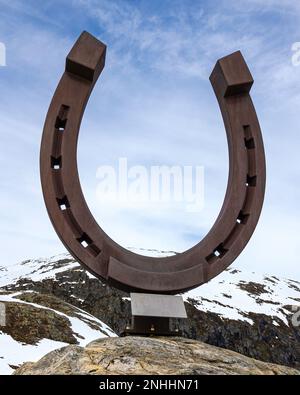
(251, 181)
(87, 244)
(248, 137)
(60, 124)
(85, 241)
(63, 203)
(247, 132)
(56, 163)
(61, 119)
(218, 253)
(242, 218)
(250, 143)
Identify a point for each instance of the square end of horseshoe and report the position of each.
(87, 57)
(231, 75)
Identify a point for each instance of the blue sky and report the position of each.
(154, 105)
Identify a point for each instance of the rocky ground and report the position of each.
(54, 302)
(151, 356)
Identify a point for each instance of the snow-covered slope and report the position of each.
(242, 311)
(29, 332)
(13, 353)
(234, 294)
(36, 269)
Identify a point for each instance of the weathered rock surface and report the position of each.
(38, 323)
(138, 355)
(244, 312)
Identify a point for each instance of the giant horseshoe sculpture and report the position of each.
(73, 221)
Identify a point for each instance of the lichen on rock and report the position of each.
(150, 356)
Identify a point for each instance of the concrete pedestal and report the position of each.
(151, 314)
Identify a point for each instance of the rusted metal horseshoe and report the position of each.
(76, 226)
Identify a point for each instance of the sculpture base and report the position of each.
(150, 326)
(151, 314)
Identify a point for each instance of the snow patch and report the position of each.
(213, 296)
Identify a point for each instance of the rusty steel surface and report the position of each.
(76, 226)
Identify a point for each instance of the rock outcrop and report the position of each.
(153, 356)
(244, 312)
(37, 323)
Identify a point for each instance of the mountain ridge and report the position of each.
(244, 312)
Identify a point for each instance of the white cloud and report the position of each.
(153, 104)
(173, 45)
(280, 6)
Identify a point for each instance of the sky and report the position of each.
(153, 105)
